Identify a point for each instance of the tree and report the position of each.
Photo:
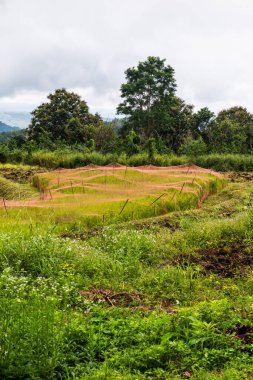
(132, 141)
(244, 119)
(238, 114)
(105, 138)
(228, 136)
(192, 147)
(64, 117)
(177, 123)
(203, 121)
(149, 89)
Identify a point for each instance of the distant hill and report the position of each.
(19, 119)
(7, 128)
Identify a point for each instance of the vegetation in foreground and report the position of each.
(164, 298)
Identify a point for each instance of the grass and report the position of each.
(70, 158)
(11, 190)
(165, 297)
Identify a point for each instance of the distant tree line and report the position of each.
(154, 120)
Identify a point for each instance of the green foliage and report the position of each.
(203, 121)
(150, 103)
(81, 156)
(192, 147)
(151, 149)
(149, 87)
(228, 137)
(127, 303)
(132, 143)
(65, 117)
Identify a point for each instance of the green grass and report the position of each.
(144, 299)
(70, 158)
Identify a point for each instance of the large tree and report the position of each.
(64, 117)
(149, 90)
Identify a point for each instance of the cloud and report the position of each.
(88, 45)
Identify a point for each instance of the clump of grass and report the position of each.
(35, 255)
(13, 190)
(31, 338)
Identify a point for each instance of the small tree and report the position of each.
(131, 145)
(202, 124)
(241, 117)
(192, 147)
(151, 149)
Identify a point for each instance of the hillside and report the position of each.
(7, 128)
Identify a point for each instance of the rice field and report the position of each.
(93, 195)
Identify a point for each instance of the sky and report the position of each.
(85, 46)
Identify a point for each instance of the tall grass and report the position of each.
(68, 158)
(12, 190)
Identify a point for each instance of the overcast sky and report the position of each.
(86, 45)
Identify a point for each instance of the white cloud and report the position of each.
(87, 46)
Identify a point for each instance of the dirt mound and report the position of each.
(224, 261)
(20, 175)
(110, 297)
(113, 165)
(243, 333)
(240, 177)
(227, 261)
(91, 166)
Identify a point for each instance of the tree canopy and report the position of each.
(149, 89)
(64, 117)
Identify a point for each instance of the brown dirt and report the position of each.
(224, 261)
(240, 177)
(114, 165)
(110, 297)
(20, 175)
(243, 333)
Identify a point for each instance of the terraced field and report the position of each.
(98, 195)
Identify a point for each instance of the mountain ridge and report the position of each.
(7, 128)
